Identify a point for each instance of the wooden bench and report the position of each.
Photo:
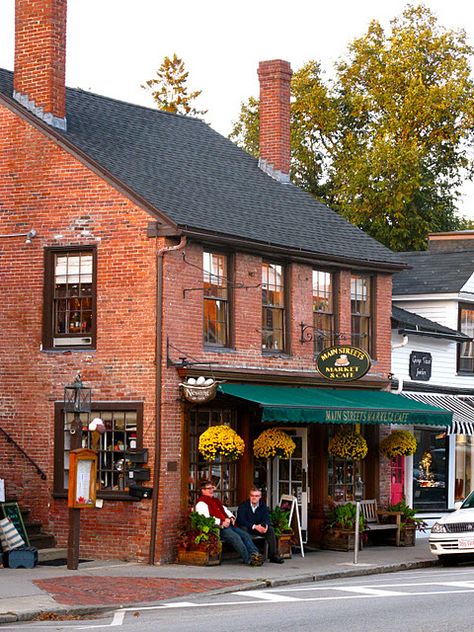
(381, 521)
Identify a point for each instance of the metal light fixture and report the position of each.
(29, 235)
(77, 400)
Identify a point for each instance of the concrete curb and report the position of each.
(12, 617)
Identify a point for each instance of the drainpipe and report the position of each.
(158, 388)
(403, 343)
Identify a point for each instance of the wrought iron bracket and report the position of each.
(307, 336)
(183, 360)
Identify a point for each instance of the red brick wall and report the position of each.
(43, 187)
(40, 53)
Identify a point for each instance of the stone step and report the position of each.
(54, 553)
(42, 541)
(33, 528)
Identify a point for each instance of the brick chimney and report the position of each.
(40, 59)
(275, 150)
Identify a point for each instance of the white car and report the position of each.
(452, 537)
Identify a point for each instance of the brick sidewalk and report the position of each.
(114, 591)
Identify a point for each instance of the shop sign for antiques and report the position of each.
(420, 366)
(343, 363)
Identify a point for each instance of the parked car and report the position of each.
(452, 537)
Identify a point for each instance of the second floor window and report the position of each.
(466, 349)
(323, 310)
(216, 300)
(69, 319)
(361, 312)
(273, 307)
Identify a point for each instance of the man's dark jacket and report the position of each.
(247, 518)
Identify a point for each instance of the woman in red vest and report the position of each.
(241, 541)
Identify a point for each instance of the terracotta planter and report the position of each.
(408, 536)
(284, 545)
(340, 540)
(198, 558)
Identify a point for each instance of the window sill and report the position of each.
(66, 349)
(105, 496)
(211, 349)
(275, 354)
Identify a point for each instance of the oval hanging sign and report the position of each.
(343, 363)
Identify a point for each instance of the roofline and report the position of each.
(434, 334)
(297, 254)
(86, 160)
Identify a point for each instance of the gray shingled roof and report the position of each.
(404, 319)
(434, 272)
(201, 180)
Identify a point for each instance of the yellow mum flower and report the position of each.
(398, 443)
(223, 441)
(348, 445)
(273, 442)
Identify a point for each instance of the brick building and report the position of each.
(158, 251)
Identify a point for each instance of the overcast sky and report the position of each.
(116, 45)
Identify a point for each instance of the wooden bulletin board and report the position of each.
(12, 511)
(82, 493)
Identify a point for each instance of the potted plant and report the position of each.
(283, 531)
(273, 442)
(398, 443)
(339, 530)
(347, 444)
(409, 523)
(198, 541)
(221, 442)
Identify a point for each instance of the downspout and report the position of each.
(403, 343)
(158, 388)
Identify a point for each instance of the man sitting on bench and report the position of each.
(240, 540)
(253, 516)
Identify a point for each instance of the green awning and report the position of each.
(288, 404)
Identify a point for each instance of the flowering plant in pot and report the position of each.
(409, 523)
(199, 541)
(398, 443)
(347, 444)
(339, 529)
(221, 441)
(273, 442)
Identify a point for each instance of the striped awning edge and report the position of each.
(462, 409)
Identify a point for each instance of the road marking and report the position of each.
(376, 592)
(265, 596)
(117, 619)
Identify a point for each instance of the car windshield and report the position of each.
(469, 502)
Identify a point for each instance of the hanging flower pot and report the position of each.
(273, 442)
(398, 443)
(347, 444)
(221, 441)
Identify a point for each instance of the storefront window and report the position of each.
(345, 477)
(222, 473)
(430, 470)
(464, 466)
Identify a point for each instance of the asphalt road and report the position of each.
(427, 600)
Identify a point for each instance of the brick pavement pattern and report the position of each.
(98, 591)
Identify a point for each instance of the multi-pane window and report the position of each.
(466, 349)
(221, 472)
(273, 307)
(361, 311)
(70, 298)
(345, 477)
(323, 310)
(216, 300)
(123, 431)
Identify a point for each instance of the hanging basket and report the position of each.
(273, 442)
(348, 445)
(221, 441)
(398, 443)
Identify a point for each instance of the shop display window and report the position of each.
(464, 477)
(430, 470)
(221, 472)
(123, 431)
(345, 477)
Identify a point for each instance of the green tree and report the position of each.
(385, 143)
(169, 88)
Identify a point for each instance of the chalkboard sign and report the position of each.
(290, 503)
(12, 511)
(420, 366)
